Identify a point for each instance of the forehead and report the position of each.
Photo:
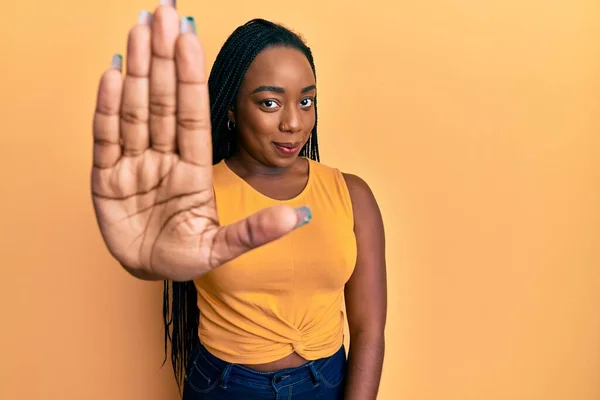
(282, 66)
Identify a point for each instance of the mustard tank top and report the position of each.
(287, 295)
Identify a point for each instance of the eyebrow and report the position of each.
(278, 89)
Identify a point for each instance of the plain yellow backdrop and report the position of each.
(476, 123)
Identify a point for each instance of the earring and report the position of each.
(230, 125)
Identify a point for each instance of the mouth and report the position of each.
(287, 148)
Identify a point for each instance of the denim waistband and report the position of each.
(309, 370)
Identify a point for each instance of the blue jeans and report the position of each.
(210, 378)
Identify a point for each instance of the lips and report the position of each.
(287, 145)
(287, 149)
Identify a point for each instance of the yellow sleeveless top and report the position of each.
(287, 295)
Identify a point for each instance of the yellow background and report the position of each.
(476, 123)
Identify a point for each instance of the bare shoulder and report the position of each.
(360, 192)
(355, 182)
(367, 215)
(361, 195)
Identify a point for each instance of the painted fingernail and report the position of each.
(145, 17)
(304, 216)
(188, 24)
(168, 2)
(117, 62)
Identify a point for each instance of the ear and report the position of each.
(231, 114)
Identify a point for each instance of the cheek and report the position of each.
(309, 120)
(260, 124)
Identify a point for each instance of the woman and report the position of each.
(246, 227)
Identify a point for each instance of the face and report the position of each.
(274, 111)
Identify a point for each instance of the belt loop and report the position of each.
(225, 375)
(315, 374)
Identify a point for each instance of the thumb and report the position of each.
(258, 229)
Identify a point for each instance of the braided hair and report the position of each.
(181, 315)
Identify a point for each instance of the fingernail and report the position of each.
(188, 24)
(168, 2)
(117, 62)
(304, 216)
(145, 17)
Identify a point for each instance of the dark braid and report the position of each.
(180, 310)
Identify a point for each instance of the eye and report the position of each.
(307, 102)
(271, 104)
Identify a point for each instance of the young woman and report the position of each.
(215, 187)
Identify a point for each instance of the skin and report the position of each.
(265, 116)
(287, 115)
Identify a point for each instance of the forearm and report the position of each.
(167, 275)
(365, 363)
(144, 274)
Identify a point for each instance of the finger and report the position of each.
(134, 111)
(163, 78)
(194, 139)
(260, 228)
(107, 148)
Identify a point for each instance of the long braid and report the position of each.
(181, 315)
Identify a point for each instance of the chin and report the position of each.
(285, 157)
(282, 162)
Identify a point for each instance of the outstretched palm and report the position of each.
(152, 173)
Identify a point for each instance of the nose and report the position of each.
(291, 120)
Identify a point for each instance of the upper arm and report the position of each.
(366, 290)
